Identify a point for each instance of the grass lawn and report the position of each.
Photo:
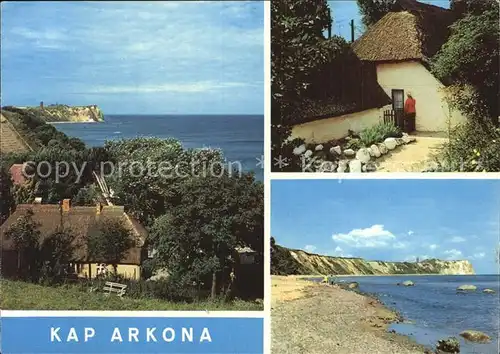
(17, 295)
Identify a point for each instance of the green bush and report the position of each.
(354, 144)
(163, 289)
(473, 147)
(378, 133)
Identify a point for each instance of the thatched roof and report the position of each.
(413, 31)
(82, 221)
(346, 85)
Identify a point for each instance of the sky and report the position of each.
(344, 11)
(389, 219)
(135, 57)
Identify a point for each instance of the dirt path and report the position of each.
(10, 140)
(414, 157)
(315, 318)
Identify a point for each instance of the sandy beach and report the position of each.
(317, 318)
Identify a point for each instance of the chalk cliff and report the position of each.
(65, 113)
(301, 262)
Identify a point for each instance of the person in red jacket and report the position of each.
(410, 113)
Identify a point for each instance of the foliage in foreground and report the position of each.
(469, 60)
(473, 147)
(297, 53)
(196, 239)
(18, 295)
(378, 133)
(111, 243)
(6, 197)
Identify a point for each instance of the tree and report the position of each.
(153, 169)
(472, 7)
(373, 10)
(6, 197)
(86, 196)
(110, 244)
(298, 50)
(57, 250)
(469, 60)
(26, 237)
(196, 238)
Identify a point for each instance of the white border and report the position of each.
(266, 313)
(386, 175)
(267, 177)
(153, 314)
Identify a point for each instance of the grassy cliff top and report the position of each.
(287, 261)
(64, 113)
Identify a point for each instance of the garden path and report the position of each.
(413, 157)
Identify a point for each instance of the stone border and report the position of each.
(349, 160)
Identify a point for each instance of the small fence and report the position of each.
(397, 117)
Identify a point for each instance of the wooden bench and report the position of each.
(110, 287)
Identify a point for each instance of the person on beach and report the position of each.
(410, 113)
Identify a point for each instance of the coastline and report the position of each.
(307, 276)
(320, 318)
(74, 122)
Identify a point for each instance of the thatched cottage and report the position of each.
(400, 45)
(82, 221)
(389, 60)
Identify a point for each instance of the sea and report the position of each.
(240, 137)
(433, 309)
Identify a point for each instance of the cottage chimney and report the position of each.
(98, 208)
(66, 205)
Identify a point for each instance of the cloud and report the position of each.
(372, 237)
(69, 50)
(457, 239)
(410, 233)
(195, 87)
(400, 245)
(48, 38)
(452, 254)
(339, 252)
(433, 246)
(479, 255)
(310, 248)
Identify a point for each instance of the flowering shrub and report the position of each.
(473, 147)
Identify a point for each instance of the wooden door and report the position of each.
(398, 104)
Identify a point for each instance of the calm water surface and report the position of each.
(435, 310)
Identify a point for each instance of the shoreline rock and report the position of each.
(467, 287)
(475, 336)
(448, 345)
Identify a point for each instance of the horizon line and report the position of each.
(184, 114)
